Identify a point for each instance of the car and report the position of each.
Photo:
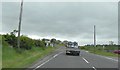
(117, 51)
(72, 48)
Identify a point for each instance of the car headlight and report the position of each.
(67, 51)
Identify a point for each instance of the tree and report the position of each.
(53, 41)
(111, 42)
(70, 44)
(65, 42)
(75, 43)
(58, 41)
(39, 43)
(11, 38)
(26, 43)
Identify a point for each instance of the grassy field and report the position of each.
(100, 51)
(11, 59)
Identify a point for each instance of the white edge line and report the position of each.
(85, 60)
(47, 61)
(111, 59)
(108, 58)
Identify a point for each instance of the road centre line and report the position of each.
(94, 68)
(47, 60)
(85, 60)
(88, 62)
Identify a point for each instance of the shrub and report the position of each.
(25, 42)
(82, 47)
(10, 39)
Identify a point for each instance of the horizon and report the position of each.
(38, 37)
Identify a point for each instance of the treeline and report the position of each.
(27, 43)
(105, 48)
(106, 45)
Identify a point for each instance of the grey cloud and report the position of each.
(63, 19)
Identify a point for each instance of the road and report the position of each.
(86, 60)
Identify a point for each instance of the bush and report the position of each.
(82, 48)
(25, 42)
(10, 39)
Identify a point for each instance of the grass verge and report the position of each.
(105, 53)
(99, 51)
(0, 51)
(11, 59)
(0, 56)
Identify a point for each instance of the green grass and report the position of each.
(0, 56)
(100, 51)
(0, 51)
(105, 53)
(12, 59)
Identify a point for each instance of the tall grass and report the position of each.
(0, 51)
(0, 56)
(12, 59)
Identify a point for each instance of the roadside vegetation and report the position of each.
(0, 51)
(11, 59)
(107, 50)
(30, 50)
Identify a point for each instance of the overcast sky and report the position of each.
(64, 20)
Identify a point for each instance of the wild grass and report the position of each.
(12, 59)
(0, 51)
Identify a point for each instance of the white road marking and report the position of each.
(55, 55)
(94, 68)
(86, 51)
(85, 60)
(47, 60)
(111, 59)
(108, 58)
(88, 62)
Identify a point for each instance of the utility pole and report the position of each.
(19, 27)
(94, 36)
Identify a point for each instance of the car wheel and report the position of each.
(78, 54)
(66, 53)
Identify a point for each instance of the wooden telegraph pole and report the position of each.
(19, 27)
(94, 36)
